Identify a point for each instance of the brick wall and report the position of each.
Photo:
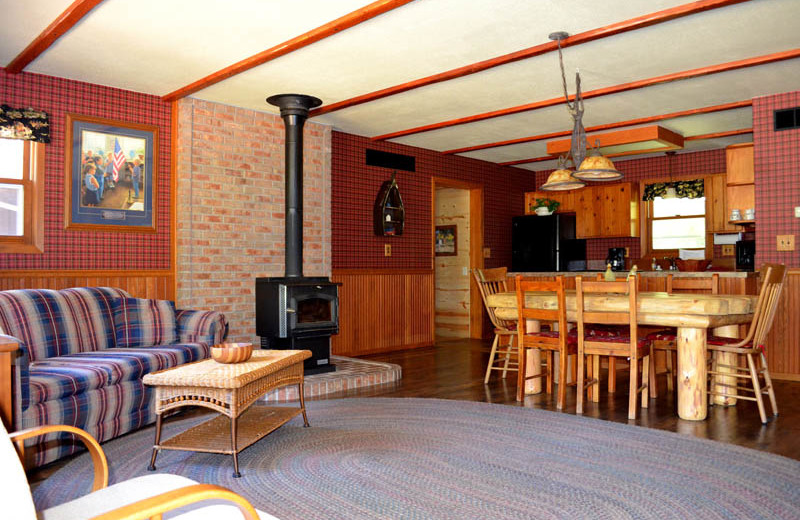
(230, 200)
(776, 157)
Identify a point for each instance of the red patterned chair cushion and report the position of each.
(663, 335)
(572, 335)
(720, 341)
(643, 345)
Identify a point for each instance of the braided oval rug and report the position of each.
(430, 458)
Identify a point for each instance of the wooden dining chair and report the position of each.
(626, 346)
(666, 340)
(550, 341)
(504, 355)
(750, 349)
(612, 330)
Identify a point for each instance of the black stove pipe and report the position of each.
(294, 112)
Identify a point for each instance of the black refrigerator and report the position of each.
(546, 243)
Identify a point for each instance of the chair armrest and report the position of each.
(194, 326)
(98, 457)
(159, 504)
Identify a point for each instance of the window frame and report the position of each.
(32, 182)
(646, 211)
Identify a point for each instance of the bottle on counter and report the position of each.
(609, 274)
(654, 264)
(633, 271)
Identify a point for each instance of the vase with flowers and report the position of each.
(545, 206)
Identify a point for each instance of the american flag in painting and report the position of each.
(119, 160)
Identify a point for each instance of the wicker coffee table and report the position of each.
(229, 389)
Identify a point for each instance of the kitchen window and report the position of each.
(678, 223)
(21, 196)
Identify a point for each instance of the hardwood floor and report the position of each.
(454, 369)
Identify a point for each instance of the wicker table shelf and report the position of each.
(230, 390)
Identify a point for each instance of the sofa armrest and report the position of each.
(14, 390)
(210, 327)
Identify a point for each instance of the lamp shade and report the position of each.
(561, 180)
(596, 167)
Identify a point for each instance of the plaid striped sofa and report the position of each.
(83, 353)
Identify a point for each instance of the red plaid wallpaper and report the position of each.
(776, 157)
(700, 163)
(355, 186)
(89, 249)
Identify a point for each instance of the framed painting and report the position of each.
(110, 174)
(445, 241)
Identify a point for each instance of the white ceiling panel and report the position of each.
(160, 46)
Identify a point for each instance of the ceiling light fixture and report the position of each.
(595, 167)
(561, 179)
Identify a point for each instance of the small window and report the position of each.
(678, 223)
(21, 196)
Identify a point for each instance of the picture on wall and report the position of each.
(445, 241)
(110, 174)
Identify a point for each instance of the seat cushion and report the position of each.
(721, 341)
(141, 322)
(663, 335)
(64, 376)
(134, 490)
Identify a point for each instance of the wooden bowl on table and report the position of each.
(231, 352)
(692, 265)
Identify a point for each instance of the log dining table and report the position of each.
(692, 314)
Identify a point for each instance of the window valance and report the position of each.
(24, 123)
(692, 189)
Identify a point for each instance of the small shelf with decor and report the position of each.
(389, 213)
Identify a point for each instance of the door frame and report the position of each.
(475, 241)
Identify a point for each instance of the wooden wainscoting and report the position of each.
(158, 284)
(783, 343)
(381, 310)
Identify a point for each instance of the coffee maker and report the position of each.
(616, 257)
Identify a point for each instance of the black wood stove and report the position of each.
(293, 311)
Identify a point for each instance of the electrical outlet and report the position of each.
(728, 250)
(785, 242)
(387, 249)
(487, 252)
(797, 211)
(627, 252)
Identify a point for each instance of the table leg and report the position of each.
(234, 448)
(152, 466)
(730, 359)
(692, 401)
(534, 363)
(303, 404)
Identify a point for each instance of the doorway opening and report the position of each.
(457, 238)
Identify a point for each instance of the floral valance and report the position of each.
(24, 123)
(684, 189)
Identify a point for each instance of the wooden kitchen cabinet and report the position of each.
(601, 210)
(716, 205)
(740, 189)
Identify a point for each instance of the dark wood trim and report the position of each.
(632, 24)
(329, 29)
(173, 197)
(610, 126)
(381, 270)
(715, 135)
(616, 89)
(66, 21)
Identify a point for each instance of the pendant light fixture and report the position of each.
(561, 179)
(595, 167)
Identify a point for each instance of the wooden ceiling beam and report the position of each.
(699, 137)
(609, 126)
(66, 21)
(632, 24)
(320, 33)
(616, 89)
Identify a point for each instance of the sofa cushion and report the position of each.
(143, 323)
(55, 323)
(64, 376)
